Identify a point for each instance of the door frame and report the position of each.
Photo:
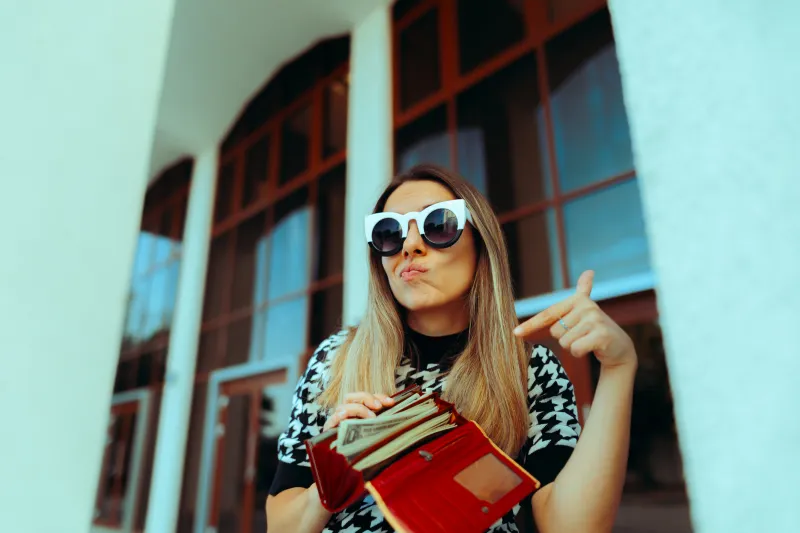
(208, 453)
(131, 503)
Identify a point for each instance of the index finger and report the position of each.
(545, 319)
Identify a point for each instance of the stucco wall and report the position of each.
(81, 82)
(711, 92)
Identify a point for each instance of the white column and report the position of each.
(176, 402)
(78, 106)
(711, 91)
(369, 147)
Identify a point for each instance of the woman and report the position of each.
(441, 314)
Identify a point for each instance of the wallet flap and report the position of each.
(460, 482)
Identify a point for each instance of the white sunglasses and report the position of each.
(440, 225)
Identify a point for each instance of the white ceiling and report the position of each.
(222, 52)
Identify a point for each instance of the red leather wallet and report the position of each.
(458, 480)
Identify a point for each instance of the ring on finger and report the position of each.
(563, 324)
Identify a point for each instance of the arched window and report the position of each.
(274, 283)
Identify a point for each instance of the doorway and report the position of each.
(247, 409)
(120, 485)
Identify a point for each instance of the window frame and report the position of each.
(539, 30)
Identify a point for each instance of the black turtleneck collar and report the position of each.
(424, 350)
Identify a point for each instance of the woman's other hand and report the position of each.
(358, 405)
(581, 327)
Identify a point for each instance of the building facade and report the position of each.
(527, 107)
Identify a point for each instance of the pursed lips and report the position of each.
(412, 271)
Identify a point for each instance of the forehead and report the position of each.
(416, 196)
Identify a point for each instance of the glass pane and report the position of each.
(271, 423)
(238, 350)
(334, 134)
(230, 490)
(423, 141)
(326, 314)
(487, 28)
(173, 269)
(224, 199)
(613, 248)
(260, 284)
(216, 280)
(208, 354)
(289, 246)
(330, 224)
(248, 234)
(558, 10)
(117, 470)
(257, 332)
(155, 319)
(418, 57)
(533, 254)
(501, 143)
(163, 247)
(256, 169)
(295, 144)
(144, 254)
(137, 308)
(286, 326)
(654, 484)
(590, 126)
(401, 7)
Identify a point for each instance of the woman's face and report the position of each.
(448, 272)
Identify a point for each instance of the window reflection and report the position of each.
(590, 126)
(224, 198)
(285, 328)
(289, 246)
(418, 54)
(248, 235)
(217, 276)
(326, 317)
(256, 168)
(334, 135)
(238, 348)
(487, 28)
(605, 232)
(423, 141)
(533, 254)
(499, 137)
(295, 144)
(329, 234)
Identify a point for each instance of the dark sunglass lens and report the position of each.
(387, 236)
(441, 226)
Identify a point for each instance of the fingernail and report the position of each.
(339, 413)
(377, 404)
(372, 414)
(517, 330)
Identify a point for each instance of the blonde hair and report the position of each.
(488, 381)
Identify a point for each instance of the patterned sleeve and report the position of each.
(554, 426)
(306, 420)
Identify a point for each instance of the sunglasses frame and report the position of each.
(458, 207)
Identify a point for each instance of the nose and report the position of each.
(414, 244)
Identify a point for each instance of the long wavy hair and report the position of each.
(488, 380)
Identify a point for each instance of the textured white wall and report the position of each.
(711, 88)
(369, 147)
(78, 102)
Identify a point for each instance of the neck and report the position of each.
(441, 321)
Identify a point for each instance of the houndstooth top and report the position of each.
(552, 434)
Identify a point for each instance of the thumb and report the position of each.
(585, 283)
